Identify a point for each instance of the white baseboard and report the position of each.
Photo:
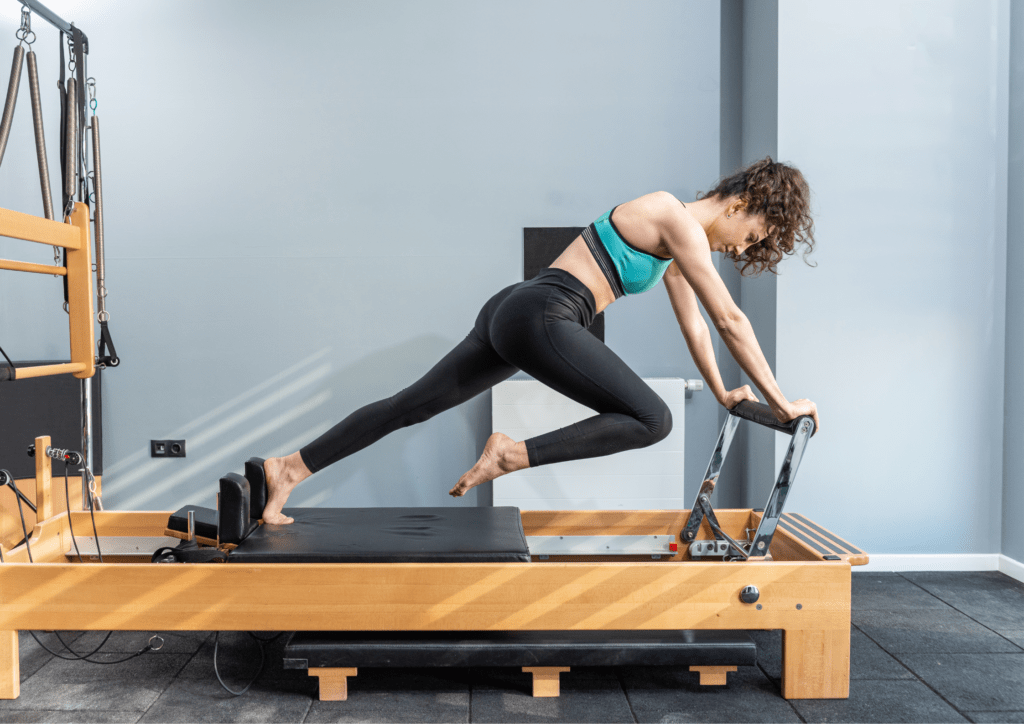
(939, 562)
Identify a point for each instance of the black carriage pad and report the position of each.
(389, 535)
(330, 649)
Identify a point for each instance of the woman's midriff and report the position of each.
(578, 261)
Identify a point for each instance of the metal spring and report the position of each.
(12, 99)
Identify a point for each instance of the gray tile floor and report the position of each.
(927, 647)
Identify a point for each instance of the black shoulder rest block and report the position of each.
(257, 487)
(234, 523)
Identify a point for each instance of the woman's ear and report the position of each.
(736, 206)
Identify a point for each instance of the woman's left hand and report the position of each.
(735, 397)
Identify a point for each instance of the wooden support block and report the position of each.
(10, 671)
(713, 675)
(333, 682)
(545, 679)
(816, 663)
(44, 495)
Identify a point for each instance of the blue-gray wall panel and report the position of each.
(307, 205)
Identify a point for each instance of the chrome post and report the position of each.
(777, 499)
(86, 439)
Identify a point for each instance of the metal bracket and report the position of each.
(600, 545)
(760, 545)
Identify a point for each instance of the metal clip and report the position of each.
(24, 33)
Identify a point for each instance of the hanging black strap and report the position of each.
(63, 136)
(78, 39)
(109, 360)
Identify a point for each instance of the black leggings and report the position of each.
(538, 326)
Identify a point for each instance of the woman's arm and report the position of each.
(688, 245)
(695, 330)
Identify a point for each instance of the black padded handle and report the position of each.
(762, 414)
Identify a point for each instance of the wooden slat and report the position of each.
(33, 228)
(25, 266)
(27, 373)
(80, 297)
(787, 545)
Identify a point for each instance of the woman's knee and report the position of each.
(658, 423)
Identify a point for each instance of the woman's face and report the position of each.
(736, 230)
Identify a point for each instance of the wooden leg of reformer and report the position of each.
(333, 683)
(545, 679)
(816, 664)
(713, 675)
(10, 665)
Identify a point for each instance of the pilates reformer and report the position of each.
(545, 590)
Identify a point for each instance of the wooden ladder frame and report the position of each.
(75, 238)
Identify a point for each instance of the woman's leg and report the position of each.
(556, 348)
(469, 369)
(542, 329)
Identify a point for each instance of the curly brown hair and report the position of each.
(781, 194)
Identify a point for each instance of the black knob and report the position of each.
(750, 594)
(32, 450)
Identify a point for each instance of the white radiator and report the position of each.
(650, 478)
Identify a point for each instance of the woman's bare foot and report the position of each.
(282, 474)
(502, 455)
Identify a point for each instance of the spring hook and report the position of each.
(90, 86)
(24, 34)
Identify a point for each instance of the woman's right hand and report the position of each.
(803, 407)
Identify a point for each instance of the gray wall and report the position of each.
(749, 132)
(306, 207)
(1013, 433)
(897, 113)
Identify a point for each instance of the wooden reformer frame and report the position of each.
(801, 592)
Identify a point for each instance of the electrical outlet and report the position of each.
(167, 448)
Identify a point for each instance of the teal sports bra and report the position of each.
(628, 269)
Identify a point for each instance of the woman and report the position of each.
(755, 216)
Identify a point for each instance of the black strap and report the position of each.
(109, 360)
(78, 38)
(188, 552)
(61, 84)
(67, 299)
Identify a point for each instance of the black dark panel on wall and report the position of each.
(541, 246)
(46, 406)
